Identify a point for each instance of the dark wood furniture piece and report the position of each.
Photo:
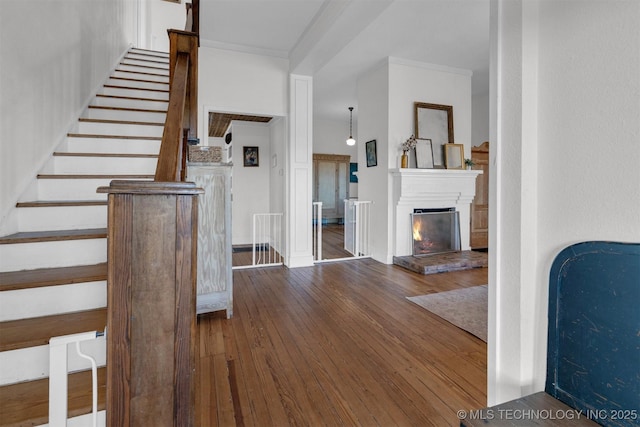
(480, 204)
(593, 356)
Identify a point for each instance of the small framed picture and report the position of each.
(424, 154)
(250, 156)
(371, 152)
(454, 156)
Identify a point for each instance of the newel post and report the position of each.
(151, 303)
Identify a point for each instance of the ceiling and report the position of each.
(336, 41)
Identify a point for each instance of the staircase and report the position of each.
(53, 270)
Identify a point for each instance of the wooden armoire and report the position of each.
(331, 184)
(480, 204)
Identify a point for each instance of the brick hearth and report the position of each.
(441, 263)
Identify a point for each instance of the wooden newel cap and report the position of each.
(151, 187)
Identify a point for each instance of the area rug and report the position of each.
(466, 308)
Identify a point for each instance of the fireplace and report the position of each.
(434, 189)
(435, 231)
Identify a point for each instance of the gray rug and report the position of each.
(466, 308)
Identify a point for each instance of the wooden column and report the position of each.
(151, 320)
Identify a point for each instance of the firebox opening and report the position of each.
(435, 231)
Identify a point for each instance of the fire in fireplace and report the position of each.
(435, 231)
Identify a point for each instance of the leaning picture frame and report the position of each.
(371, 153)
(424, 154)
(454, 156)
(434, 122)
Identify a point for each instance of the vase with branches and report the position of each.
(408, 145)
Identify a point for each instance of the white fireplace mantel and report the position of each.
(431, 188)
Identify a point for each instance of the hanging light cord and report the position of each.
(351, 141)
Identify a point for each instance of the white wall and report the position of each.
(235, 82)
(480, 122)
(55, 55)
(329, 137)
(566, 161)
(373, 182)
(251, 185)
(386, 99)
(415, 82)
(161, 15)
(278, 138)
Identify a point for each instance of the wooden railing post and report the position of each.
(152, 238)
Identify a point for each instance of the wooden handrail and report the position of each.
(182, 115)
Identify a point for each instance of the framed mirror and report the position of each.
(434, 122)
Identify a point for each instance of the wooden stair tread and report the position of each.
(139, 110)
(60, 203)
(91, 135)
(131, 155)
(54, 235)
(119, 122)
(27, 403)
(35, 331)
(68, 176)
(131, 98)
(26, 279)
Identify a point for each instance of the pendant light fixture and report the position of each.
(351, 141)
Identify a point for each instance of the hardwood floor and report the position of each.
(333, 242)
(338, 344)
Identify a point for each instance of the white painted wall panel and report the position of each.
(53, 61)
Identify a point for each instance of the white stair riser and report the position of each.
(104, 165)
(97, 128)
(84, 420)
(133, 93)
(146, 62)
(125, 115)
(32, 363)
(61, 218)
(129, 103)
(64, 253)
(72, 189)
(49, 300)
(139, 69)
(142, 75)
(112, 145)
(146, 57)
(138, 84)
